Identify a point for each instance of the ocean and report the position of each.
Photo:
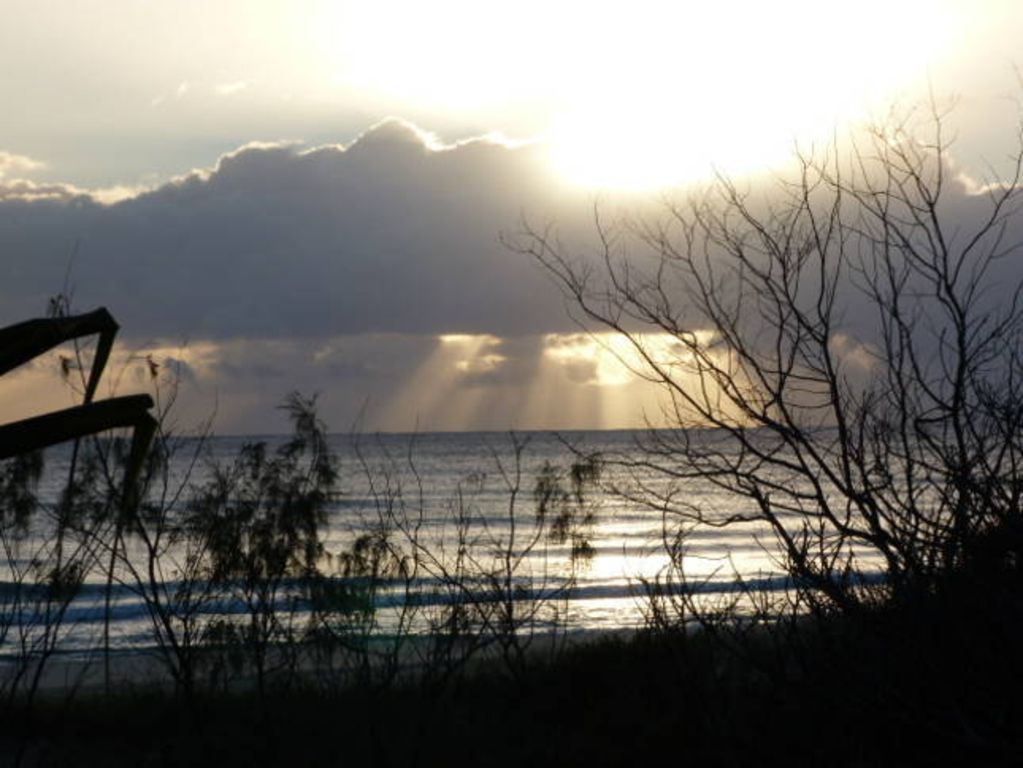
(463, 507)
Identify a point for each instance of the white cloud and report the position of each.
(26, 191)
(232, 88)
(12, 164)
(118, 193)
(178, 93)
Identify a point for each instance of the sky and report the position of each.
(316, 195)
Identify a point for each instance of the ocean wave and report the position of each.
(126, 605)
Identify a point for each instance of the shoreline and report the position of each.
(144, 669)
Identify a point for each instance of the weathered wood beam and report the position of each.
(130, 411)
(25, 341)
(57, 427)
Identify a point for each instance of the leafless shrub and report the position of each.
(842, 358)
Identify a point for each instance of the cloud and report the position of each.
(178, 93)
(12, 164)
(397, 381)
(372, 272)
(334, 269)
(25, 191)
(230, 89)
(394, 233)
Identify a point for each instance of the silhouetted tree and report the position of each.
(258, 520)
(853, 337)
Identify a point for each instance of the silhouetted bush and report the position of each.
(840, 353)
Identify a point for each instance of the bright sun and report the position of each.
(649, 93)
(733, 86)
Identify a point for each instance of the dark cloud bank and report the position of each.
(335, 269)
(385, 236)
(330, 270)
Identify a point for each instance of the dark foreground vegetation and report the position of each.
(931, 684)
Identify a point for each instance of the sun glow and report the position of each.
(613, 359)
(555, 381)
(656, 93)
(733, 87)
